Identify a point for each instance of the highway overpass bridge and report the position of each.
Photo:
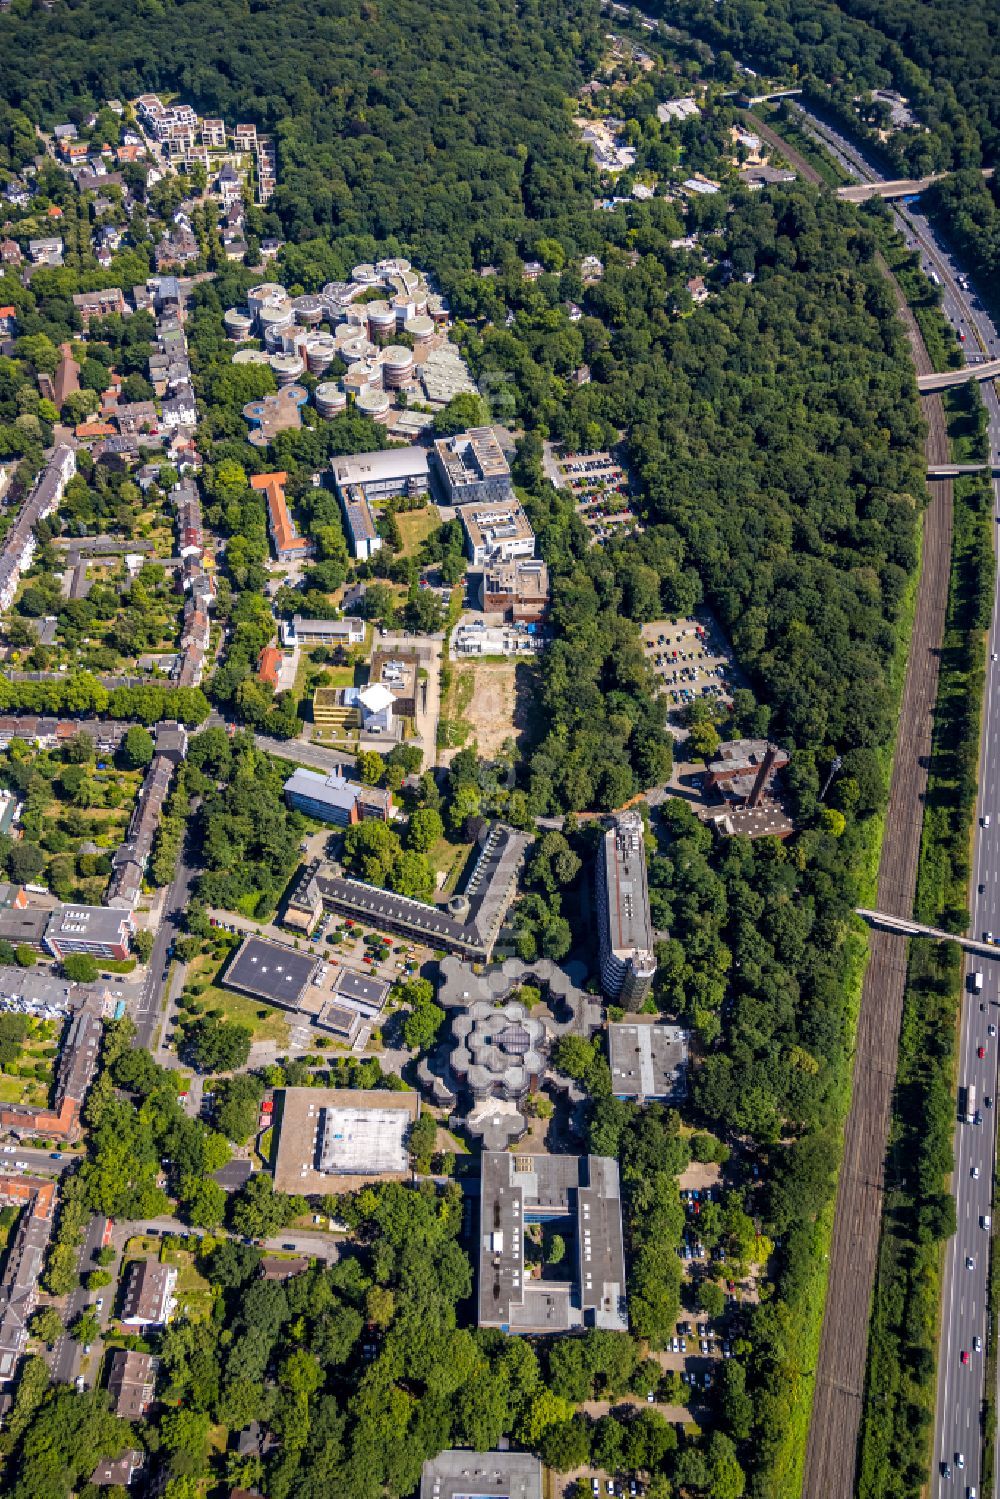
(945, 379)
(900, 187)
(907, 928)
(955, 470)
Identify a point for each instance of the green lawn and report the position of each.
(449, 858)
(415, 526)
(266, 1022)
(194, 1294)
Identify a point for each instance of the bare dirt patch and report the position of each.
(483, 706)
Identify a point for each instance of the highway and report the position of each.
(961, 1385)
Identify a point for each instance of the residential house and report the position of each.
(149, 1294)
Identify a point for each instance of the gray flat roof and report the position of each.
(366, 991)
(87, 923)
(460, 1474)
(625, 879)
(331, 788)
(270, 971)
(517, 1187)
(648, 1061)
(390, 464)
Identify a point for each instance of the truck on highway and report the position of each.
(970, 1103)
(976, 982)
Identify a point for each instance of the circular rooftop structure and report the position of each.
(320, 350)
(276, 316)
(374, 403)
(366, 274)
(381, 317)
(251, 356)
(308, 310)
(500, 1051)
(287, 368)
(397, 366)
(330, 399)
(420, 328)
(237, 324)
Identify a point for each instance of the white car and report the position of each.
(970, 1263)
(959, 1459)
(975, 1173)
(22, 1165)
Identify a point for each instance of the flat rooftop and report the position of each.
(335, 1139)
(496, 524)
(392, 465)
(270, 971)
(648, 1061)
(520, 1188)
(627, 895)
(460, 1474)
(472, 456)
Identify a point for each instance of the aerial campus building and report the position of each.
(460, 1474)
(582, 1196)
(469, 923)
(330, 997)
(471, 466)
(625, 925)
(331, 797)
(335, 1139)
(648, 1062)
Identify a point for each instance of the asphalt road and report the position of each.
(144, 1007)
(961, 1385)
(66, 1355)
(40, 1162)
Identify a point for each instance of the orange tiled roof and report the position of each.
(270, 660)
(273, 488)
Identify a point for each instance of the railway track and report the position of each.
(831, 1452)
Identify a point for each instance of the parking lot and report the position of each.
(601, 489)
(692, 660)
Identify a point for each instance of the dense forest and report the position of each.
(442, 126)
(951, 74)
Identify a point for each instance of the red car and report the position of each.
(965, 1356)
(981, 1052)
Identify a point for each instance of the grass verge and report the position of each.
(918, 1213)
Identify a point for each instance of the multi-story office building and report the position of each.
(628, 962)
(103, 931)
(496, 532)
(333, 798)
(581, 1194)
(471, 466)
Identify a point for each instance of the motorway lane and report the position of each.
(961, 1387)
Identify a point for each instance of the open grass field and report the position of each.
(415, 526)
(266, 1022)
